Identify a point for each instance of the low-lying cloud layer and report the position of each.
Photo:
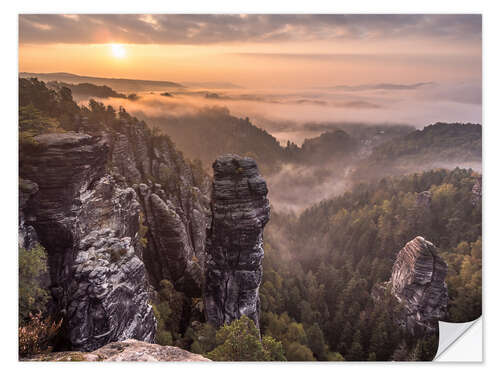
(296, 186)
(296, 115)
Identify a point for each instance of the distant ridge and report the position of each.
(121, 84)
(212, 85)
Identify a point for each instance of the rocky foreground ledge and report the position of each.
(124, 351)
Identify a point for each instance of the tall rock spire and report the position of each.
(233, 266)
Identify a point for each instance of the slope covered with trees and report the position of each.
(338, 250)
(87, 90)
(437, 145)
(214, 131)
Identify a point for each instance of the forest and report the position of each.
(320, 264)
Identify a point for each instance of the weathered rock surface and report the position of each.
(26, 233)
(117, 212)
(424, 199)
(176, 207)
(477, 191)
(171, 253)
(418, 282)
(125, 351)
(88, 222)
(233, 266)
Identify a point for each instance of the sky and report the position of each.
(373, 61)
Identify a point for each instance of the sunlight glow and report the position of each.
(118, 50)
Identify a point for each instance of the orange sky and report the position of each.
(256, 51)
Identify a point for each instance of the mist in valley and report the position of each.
(275, 119)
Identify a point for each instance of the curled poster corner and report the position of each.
(449, 333)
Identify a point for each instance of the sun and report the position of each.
(118, 50)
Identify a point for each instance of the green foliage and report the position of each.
(49, 104)
(240, 341)
(440, 141)
(33, 122)
(341, 248)
(164, 337)
(332, 144)
(273, 348)
(316, 342)
(464, 280)
(143, 230)
(33, 297)
(213, 131)
(334, 356)
(88, 89)
(299, 352)
(35, 92)
(421, 149)
(168, 313)
(199, 174)
(204, 338)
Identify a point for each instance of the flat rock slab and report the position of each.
(124, 351)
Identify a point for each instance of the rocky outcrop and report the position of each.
(117, 211)
(477, 191)
(234, 250)
(423, 200)
(26, 233)
(170, 253)
(88, 223)
(418, 283)
(176, 207)
(125, 351)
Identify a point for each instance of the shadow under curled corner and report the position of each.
(460, 342)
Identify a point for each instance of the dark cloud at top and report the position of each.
(206, 29)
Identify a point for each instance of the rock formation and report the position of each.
(125, 351)
(88, 222)
(234, 250)
(175, 206)
(477, 191)
(423, 200)
(26, 233)
(117, 212)
(418, 282)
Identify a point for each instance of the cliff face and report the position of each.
(117, 213)
(26, 233)
(176, 207)
(418, 282)
(233, 266)
(88, 223)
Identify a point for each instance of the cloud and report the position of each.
(219, 28)
(357, 104)
(382, 86)
(282, 98)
